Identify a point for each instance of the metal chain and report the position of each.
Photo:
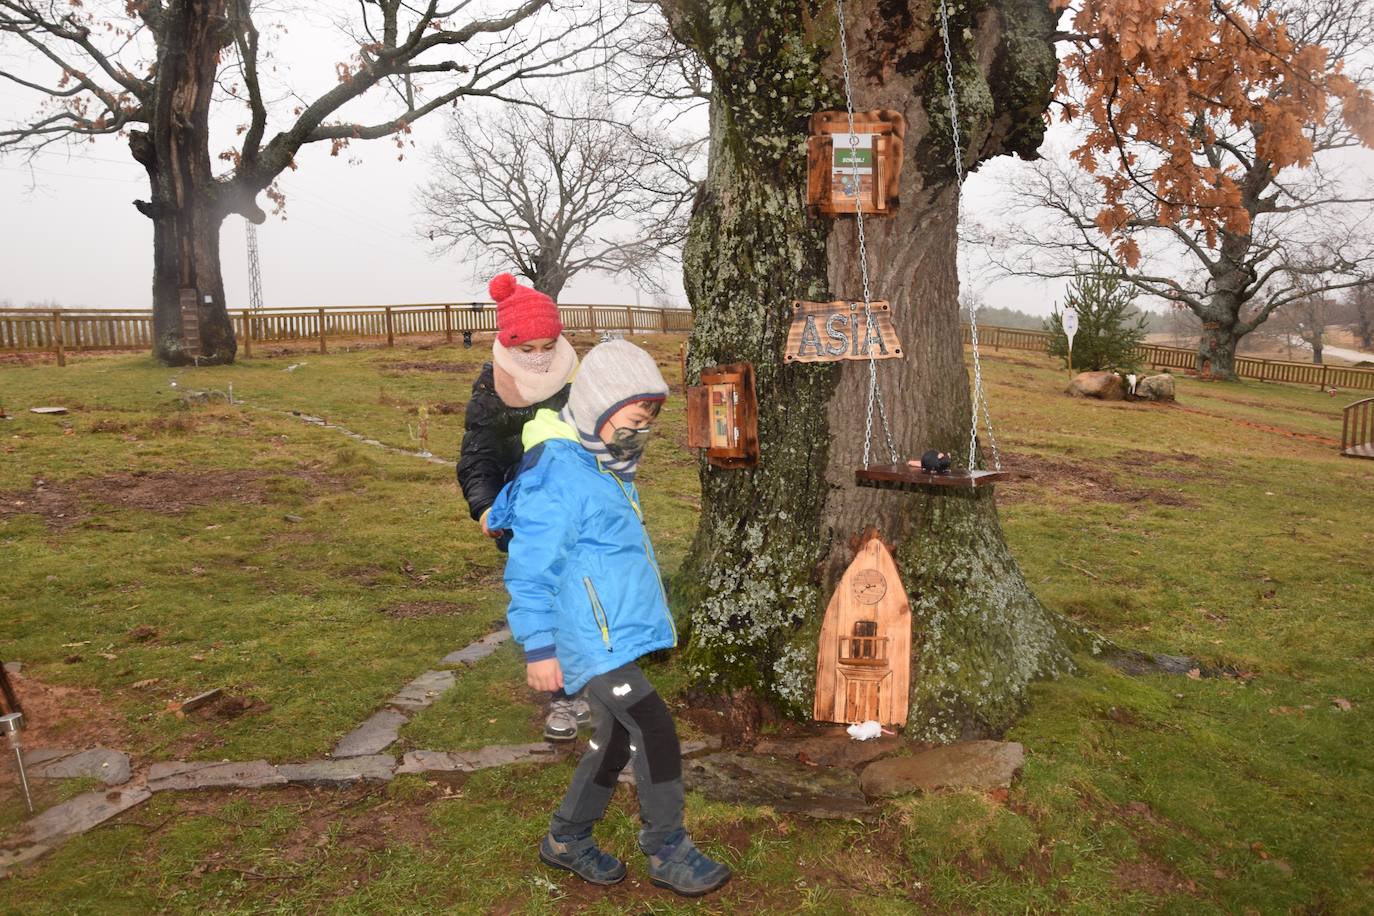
(979, 398)
(875, 396)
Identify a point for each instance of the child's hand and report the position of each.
(546, 676)
(487, 531)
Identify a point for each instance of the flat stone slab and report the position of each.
(74, 816)
(690, 747)
(478, 650)
(372, 737)
(181, 775)
(345, 772)
(968, 765)
(497, 755)
(110, 767)
(785, 785)
(832, 748)
(423, 691)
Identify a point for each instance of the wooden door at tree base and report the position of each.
(863, 666)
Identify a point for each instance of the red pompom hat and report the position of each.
(522, 313)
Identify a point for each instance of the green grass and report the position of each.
(1205, 529)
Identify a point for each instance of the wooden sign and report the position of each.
(824, 332)
(723, 416)
(190, 320)
(863, 666)
(849, 171)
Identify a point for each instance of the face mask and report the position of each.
(538, 361)
(628, 443)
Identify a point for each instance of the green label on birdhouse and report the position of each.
(851, 175)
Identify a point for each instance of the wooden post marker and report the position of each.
(824, 332)
(57, 342)
(863, 666)
(390, 335)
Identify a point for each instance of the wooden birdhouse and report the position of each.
(723, 416)
(863, 669)
(845, 170)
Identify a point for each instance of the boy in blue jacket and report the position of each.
(587, 602)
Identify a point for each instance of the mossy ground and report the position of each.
(1205, 529)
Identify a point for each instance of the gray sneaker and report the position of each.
(582, 857)
(582, 711)
(686, 870)
(561, 725)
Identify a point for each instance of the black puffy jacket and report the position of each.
(491, 449)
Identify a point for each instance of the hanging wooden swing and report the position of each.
(908, 476)
(854, 166)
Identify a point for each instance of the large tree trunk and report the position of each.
(1216, 351)
(184, 208)
(773, 541)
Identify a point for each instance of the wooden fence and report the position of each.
(61, 331)
(1185, 360)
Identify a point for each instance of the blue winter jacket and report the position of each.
(583, 579)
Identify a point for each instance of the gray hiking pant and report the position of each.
(630, 719)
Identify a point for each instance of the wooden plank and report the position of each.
(831, 331)
(57, 337)
(902, 476)
(322, 332)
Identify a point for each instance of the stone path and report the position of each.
(357, 758)
(815, 776)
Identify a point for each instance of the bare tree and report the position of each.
(1359, 311)
(1305, 228)
(557, 194)
(159, 72)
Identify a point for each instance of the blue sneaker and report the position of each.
(583, 858)
(684, 869)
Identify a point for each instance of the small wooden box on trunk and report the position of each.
(723, 416)
(847, 172)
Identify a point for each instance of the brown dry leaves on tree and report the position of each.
(1171, 73)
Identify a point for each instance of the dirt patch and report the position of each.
(70, 717)
(1151, 877)
(165, 492)
(1264, 427)
(410, 610)
(735, 716)
(1082, 480)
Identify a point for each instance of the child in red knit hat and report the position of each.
(529, 370)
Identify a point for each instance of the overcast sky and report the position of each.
(69, 234)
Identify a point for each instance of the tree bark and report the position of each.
(186, 214)
(1216, 352)
(773, 541)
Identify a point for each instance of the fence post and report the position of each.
(57, 337)
(663, 321)
(591, 318)
(629, 320)
(448, 322)
(247, 336)
(1324, 385)
(390, 337)
(322, 347)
